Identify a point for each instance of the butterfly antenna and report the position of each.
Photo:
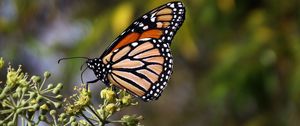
(81, 75)
(72, 58)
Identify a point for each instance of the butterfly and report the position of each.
(140, 60)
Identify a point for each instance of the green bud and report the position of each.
(59, 86)
(44, 109)
(38, 98)
(60, 120)
(47, 74)
(57, 104)
(24, 89)
(83, 122)
(126, 100)
(23, 102)
(36, 79)
(15, 95)
(72, 119)
(42, 117)
(14, 76)
(131, 120)
(110, 108)
(74, 124)
(33, 101)
(55, 91)
(50, 86)
(5, 103)
(53, 112)
(35, 106)
(62, 115)
(108, 95)
(1, 63)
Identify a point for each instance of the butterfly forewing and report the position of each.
(159, 23)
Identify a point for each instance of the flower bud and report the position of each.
(62, 115)
(108, 95)
(126, 100)
(24, 89)
(110, 108)
(74, 124)
(83, 122)
(47, 74)
(131, 120)
(35, 106)
(33, 101)
(44, 109)
(53, 112)
(38, 98)
(42, 117)
(36, 79)
(59, 86)
(57, 104)
(72, 119)
(55, 91)
(50, 86)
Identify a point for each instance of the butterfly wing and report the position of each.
(159, 23)
(142, 68)
(140, 58)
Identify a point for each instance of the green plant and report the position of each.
(30, 102)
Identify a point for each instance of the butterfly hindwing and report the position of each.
(143, 68)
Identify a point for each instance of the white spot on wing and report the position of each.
(172, 5)
(145, 39)
(153, 19)
(134, 44)
(145, 27)
(141, 25)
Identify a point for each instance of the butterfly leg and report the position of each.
(93, 81)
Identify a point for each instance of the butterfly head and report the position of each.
(100, 69)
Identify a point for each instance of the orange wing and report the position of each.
(160, 23)
(142, 68)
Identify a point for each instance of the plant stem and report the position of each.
(87, 119)
(96, 114)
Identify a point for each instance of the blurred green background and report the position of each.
(237, 62)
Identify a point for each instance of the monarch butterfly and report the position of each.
(140, 60)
